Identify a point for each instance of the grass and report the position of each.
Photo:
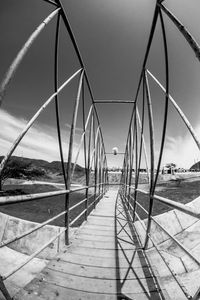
(182, 192)
(41, 210)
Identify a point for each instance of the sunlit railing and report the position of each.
(94, 150)
(136, 148)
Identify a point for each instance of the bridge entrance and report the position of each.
(116, 253)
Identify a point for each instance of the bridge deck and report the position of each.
(104, 261)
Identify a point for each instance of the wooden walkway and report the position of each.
(103, 262)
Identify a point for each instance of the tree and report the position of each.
(18, 168)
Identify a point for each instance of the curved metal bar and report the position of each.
(179, 206)
(151, 132)
(95, 144)
(13, 67)
(56, 99)
(152, 188)
(181, 285)
(70, 151)
(75, 45)
(183, 116)
(85, 150)
(166, 97)
(29, 258)
(152, 151)
(152, 30)
(144, 144)
(51, 2)
(81, 141)
(189, 38)
(29, 124)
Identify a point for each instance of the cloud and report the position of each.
(182, 150)
(40, 141)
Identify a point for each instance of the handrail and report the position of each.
(179, 206)
(94, 150)
(27, 260)
(167, 232)
(179, 282)
(93, 147)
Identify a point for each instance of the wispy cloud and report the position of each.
(182, 150)
(40, 141)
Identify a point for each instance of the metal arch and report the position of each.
(132, 149)
(56, 54)
(153, 186)
(16, 62)
(187, 35)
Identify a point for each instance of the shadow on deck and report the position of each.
(104, 261)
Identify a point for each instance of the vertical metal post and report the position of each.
(131, 165)
(85, 150)
(56, 99)
(136, 163)
(151, 132)
(96, 169)
(89, 154)
(69, 164)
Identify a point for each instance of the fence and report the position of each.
(91, 141)
(94, 149)
(136, 146)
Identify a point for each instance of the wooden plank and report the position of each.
(94, 267)
(96, 284)
(45, 291)
(98, 272)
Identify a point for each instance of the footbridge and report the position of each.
(115, 253)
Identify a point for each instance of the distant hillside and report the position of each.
(23, 167)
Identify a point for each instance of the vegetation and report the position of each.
(36, 169)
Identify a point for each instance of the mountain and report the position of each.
(31, 165)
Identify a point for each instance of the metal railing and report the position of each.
(94, 149)
(96, 174)
(136, 148)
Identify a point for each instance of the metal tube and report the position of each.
(152, 151)
(18, 237)
(30, 197)
(78, 217)
(26, 261)
(69, 162)
(85, 150)
(179, 110)
(51, 2)
(179, 206)
(189, 38)
(29, 124)
(16, 62)
(81, 141)
(187, 251)
(113, 101)
(166, 97)
(56, 99)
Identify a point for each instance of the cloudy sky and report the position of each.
(112, 36)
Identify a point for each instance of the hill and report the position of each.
(29, 168)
